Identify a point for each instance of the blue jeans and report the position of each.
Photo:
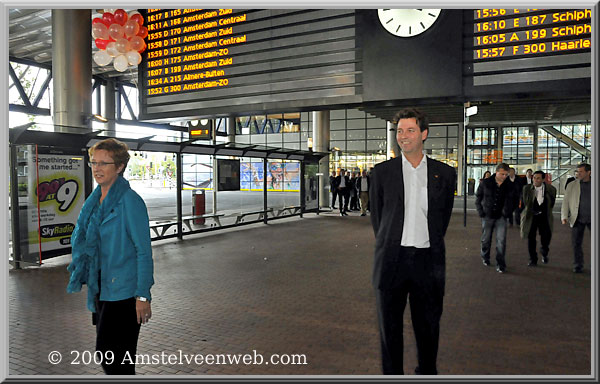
(488, 226)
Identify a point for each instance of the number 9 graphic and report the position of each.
(66, 194)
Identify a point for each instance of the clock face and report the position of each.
(407, 22)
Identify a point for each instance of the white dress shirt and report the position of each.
(415, 232)
(364, 186)
(539, 194)
(342, 181)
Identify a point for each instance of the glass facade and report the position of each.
(536, 146)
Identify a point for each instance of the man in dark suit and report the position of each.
(333, 189)
(343, 185)
(538, 199)
(411, 202)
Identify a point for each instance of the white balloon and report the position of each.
(131, 14)
(120, 63)
(133, 57)
(112, 10)
(111, 49)
(102, 58)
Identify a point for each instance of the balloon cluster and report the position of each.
(120, 36)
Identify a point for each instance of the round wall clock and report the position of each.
(407, 22)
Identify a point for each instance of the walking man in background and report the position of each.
(343, 186)
(333, 189)
(411, 203)
(538, 200)
(362, 186)
(577, 211)
(495, 200)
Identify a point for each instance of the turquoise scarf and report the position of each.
(85, 241)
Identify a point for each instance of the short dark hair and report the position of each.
(117, 149)
(540, 173)
(503, 166)
(410, 113)
(587, 167)
(529, 169)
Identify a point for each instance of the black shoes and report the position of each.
(363, 214)
(532, 264)
(500, 269)
(545, 259)
(486, 263)
(578, 270)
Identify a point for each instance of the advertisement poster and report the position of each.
(283, 177)
(251, 176)
(61, 195)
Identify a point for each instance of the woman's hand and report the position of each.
(143, 310)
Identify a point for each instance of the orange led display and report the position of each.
(502, 33)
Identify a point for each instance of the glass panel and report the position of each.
(355, 113)
(355, 145)
(337, 135)
(376, 123)
(335, 125)
(453, 131)
(356, 124)
(337, 114)
(380, 134)
(437, 131)
(356, 134)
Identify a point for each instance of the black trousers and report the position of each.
(335, 194)
(344, 194)
(577, 240)
(425, 294)
(117, 330)
(539, 224)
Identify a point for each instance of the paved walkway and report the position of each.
(302, 287)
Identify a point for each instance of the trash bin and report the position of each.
(198, 206)
(471, 187)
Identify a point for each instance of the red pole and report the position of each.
(37, 180)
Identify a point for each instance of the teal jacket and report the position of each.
(125, 251)
(112, 240)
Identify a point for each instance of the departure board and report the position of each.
(532, 44)
(210, 62)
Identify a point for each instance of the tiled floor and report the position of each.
(302, 287)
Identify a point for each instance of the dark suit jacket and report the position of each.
(359, 183)
(386, 196)
(338, 180)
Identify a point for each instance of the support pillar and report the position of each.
(321, 136)
(393, 150)
(460, 161)
(108, 107)
(71, 68)
(231, 129)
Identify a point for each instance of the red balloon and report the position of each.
(108, 18)
(143, 33)
(120, 17)
(97, 20)
(101, 44)
(137, 17)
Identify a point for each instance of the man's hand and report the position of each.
(564, 221)
(143, 310)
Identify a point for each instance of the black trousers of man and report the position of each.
(117, 330)
(344, 194)
(334, 193)
(414, 281)
(539, 224)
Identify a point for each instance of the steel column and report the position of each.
(321, 135)
(72, 67)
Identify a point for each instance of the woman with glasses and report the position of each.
(113, 257)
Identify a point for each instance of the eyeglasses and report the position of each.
(100, 164)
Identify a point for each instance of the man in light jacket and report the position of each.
(577, 211)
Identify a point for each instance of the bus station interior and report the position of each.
(264, 263)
